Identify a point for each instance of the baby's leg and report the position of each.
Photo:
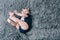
(23, 24)
(11, 22)
(13, 18)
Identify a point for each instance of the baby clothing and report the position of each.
(28, 20)
(22, 18)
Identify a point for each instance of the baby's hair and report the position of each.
(26, 8)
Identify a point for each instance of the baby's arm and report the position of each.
(20, 14)
(15, 12)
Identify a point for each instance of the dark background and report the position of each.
(45, 19)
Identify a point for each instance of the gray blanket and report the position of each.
(45, 19)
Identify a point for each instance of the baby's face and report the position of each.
(25, 11)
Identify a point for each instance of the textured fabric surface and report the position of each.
(45, 19)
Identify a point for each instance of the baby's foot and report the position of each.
(17, 26)
(9, 21)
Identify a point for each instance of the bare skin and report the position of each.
(17, 22)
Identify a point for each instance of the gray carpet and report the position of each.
(45, 19)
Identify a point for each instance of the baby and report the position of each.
(21, 21)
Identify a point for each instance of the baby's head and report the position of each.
(25, 11)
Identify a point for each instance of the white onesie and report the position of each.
(22, 18)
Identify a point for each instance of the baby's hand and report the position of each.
(11, 13)
(15, 12)
(23, 15)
